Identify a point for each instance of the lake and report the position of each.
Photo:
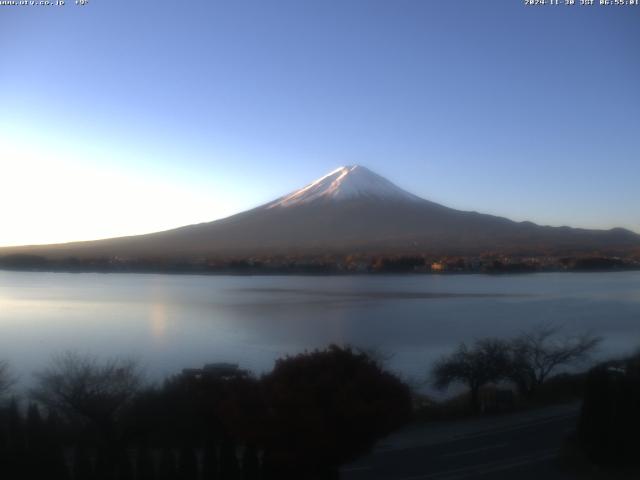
(170, 322)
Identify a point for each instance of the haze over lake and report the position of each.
(170, 322)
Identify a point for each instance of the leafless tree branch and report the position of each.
(536, 354)
(81, 385)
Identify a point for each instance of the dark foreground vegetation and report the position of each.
(610, 420)
(96, 420)
(503, 375)
(86, 419)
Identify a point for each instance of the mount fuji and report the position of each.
(351, 209)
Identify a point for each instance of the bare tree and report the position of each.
(82, 386)
(6, 379)
(486, 361)
(538, 353)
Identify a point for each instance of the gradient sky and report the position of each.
(124, 117)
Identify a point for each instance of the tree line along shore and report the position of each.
(491, 263)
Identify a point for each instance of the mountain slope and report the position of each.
(350, 209)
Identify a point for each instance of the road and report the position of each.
(516, 446)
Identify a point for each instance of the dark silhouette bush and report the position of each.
(327, 407)
(198, 408)
(314, 412)
(610, 418)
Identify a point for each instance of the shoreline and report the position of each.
(303, 273)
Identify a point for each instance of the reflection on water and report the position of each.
(174, 321)
(158, 322)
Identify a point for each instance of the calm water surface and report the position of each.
(173, 321)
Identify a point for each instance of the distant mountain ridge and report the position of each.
(351, 209)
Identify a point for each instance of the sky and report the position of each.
(122, 117)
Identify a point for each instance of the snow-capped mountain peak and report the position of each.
(348, 182)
